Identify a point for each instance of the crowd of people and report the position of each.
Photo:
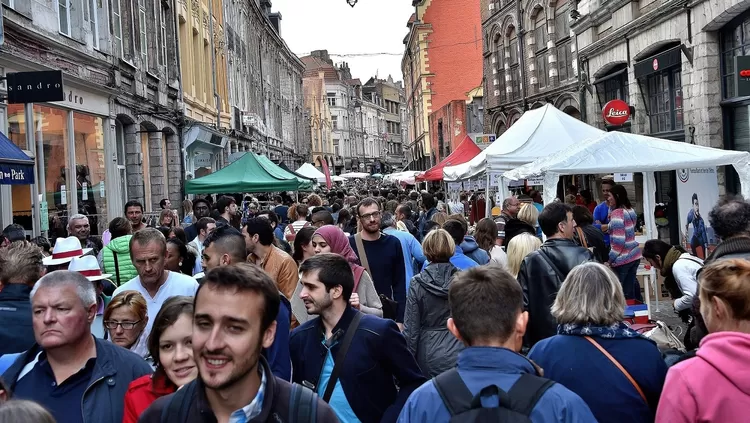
(372, 304)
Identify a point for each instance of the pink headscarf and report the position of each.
(339, 244)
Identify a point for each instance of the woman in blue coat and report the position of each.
(592, 341)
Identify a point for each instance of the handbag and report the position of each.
(390, 307)
(619, 366)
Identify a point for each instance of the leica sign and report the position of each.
(616, 112)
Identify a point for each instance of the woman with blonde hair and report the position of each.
(125, 320)
(525, 222)
(187, 209)
(520, 247)
(166, 218)
(440, 218)
(712, 386)
(614, 369)
(427, 308)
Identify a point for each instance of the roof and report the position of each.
(465, 151)
(315, 64)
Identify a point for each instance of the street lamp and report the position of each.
(352, 2)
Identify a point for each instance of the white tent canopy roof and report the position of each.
(310, 171)
(538, 133)
(355, 175)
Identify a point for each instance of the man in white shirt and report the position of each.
(148, 250)
(205, 226)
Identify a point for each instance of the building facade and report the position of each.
(442, 62)
(265, 80)
(318, 118)
(529, 60)
(390, 95)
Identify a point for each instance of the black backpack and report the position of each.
(515, 405)
(303, 405)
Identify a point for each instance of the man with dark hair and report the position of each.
(404, 214)
(543, 271)
(730, 220)
(487, 315)
(11, 233)
(227, 208)
(383, 258)
(279, 265)
(280, 209)
(278, 233)
(429, 208)
(322, 218)
(511, 207)
(601, 212)
(204, 225)
(134, 213)
(469, 245)
(376, 346)
(225, 246)
(459, 259)
(165, 203)
(201, 209)
(412, 250)
(234, 320)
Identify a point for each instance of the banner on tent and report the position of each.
(536, 180)
(623, 177)
(697, 187)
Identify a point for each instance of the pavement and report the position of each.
(667, 315)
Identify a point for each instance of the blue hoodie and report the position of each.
(472, 251)
(459, 259)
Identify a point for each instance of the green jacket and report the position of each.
(121, 247)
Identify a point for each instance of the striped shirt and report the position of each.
(621, 230)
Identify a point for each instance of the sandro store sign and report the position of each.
(26, 89)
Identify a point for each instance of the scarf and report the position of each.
(339, 244)
(666, 270)
(615, 331)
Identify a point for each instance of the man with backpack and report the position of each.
(491, 382)
(235, 311)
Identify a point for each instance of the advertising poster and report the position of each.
(697, 193)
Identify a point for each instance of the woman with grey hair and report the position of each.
(615, 370)
(15, 411)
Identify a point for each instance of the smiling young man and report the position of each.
(235, 308)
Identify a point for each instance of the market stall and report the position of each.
(311, 171)
(355, 175)
(465, 151)
(250, 173)
(408, 177)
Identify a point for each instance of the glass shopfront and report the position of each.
(73, 157)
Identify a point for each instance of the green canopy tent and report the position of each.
(250, 173)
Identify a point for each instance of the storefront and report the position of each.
(77, 141)
(204, 150)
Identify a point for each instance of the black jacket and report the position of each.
(427, 311)
(541, 275)
(275, 404)
(16, 331)
(514, 227)
(595, 242)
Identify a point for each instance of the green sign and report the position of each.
(44, 213)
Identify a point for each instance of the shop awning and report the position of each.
(16, 168)
(250, 173)
(200, 135)
(465, 151)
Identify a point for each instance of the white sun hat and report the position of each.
(65, 250)
(89, 267)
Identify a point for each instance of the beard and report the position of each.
(317, 307)
(241, 370)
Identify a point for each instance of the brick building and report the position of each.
(528, 60)
(442, 62)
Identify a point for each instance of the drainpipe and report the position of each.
(581, 82)
(217, 99)
(181, 101)
(522, 56)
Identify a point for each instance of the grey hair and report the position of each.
(591, 294)
(74, 218)
(506, 202)
(387, 221)
(24, 411)
(84, 287)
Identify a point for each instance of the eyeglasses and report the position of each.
(370, 216)
(113, 324)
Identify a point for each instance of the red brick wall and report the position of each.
(454, 54)
(453, 116)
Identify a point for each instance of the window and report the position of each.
(142, 29)
(163, 34)
(540, 40)
(514, 83)
(735, 41)
(9, 3)
(117, 25)
(564, 62)
(540, 33)
(90, 16)
(665, 100)
(616, 88)
(514, 51)
(541, 69)
(332, 99)
(335, 122)
(63, 15)
(500, 65)
(562, 27)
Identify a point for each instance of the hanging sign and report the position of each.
(101, 189)
(616, 112)
(481, 184)
(44, 216)
(623, 177)
(85, 191)
(63, 195)
(534, 181)
(35, 87)
(495, 179)
(16, 174)
(695, 188)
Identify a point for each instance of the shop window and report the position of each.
(613, 85)
(122, 176)
(90, 171)
(735, 41)
(665, 100)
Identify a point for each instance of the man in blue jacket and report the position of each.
(20, 268)
(459, 259)
(75, 376)
(377, 374)
(487, 316)
(601, 212)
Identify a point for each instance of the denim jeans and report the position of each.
(630, 286)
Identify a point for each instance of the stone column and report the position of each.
(156, 170)
(175, 172)
(554, 80)
(133, 163)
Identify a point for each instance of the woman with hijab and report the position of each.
(331, 239)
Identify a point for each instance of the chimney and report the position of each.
(275, 19)
(322, 55)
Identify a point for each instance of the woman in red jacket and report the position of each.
(171, 347)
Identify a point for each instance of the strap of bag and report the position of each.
(341, 356)
(117, 268)
(526, 392)
(619, 366)
(179, 405)
(303, 405)
(453, 391)
(361, 252)
(291, 229)
(582, 237)
(552, 265)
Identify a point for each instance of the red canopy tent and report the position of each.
(465, 151)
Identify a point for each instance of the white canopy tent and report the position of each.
(335, 178)
(310, 171)
(624, 152)
(355, 175)
(409, 177)
(538, 133)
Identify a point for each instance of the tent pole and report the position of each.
(487, 203)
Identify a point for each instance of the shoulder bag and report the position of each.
(390, 307)
(619, 366)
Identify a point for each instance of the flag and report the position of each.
(327, 173)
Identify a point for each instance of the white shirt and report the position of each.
(684, 271)
(176, 284)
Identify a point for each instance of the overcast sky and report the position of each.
(372, 26)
